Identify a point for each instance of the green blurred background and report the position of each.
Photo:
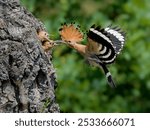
(82, 88)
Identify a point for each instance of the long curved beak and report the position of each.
(59, 42)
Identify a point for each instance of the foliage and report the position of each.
(84, 89)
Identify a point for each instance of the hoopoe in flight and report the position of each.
(104, 44)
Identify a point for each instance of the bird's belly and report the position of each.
(93, 63)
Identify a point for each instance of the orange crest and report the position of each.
(70, 33)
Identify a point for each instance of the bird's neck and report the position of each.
(79, 47)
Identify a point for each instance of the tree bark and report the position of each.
(27, 76)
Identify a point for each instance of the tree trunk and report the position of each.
(27, 77)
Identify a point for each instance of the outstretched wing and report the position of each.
(100, 44)
(105, 43)
(103, 47)
(117, 37)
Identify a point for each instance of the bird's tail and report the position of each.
(108, 75)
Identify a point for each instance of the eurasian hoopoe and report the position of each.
(104, 44)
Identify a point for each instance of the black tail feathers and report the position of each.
(110, 80)
(108, 75)
(106, 71)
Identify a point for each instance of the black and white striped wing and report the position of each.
(117, 37)
(103, 47)
(100, 44)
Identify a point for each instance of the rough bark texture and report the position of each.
(27, 77)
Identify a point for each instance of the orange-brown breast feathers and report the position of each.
(93, 47)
